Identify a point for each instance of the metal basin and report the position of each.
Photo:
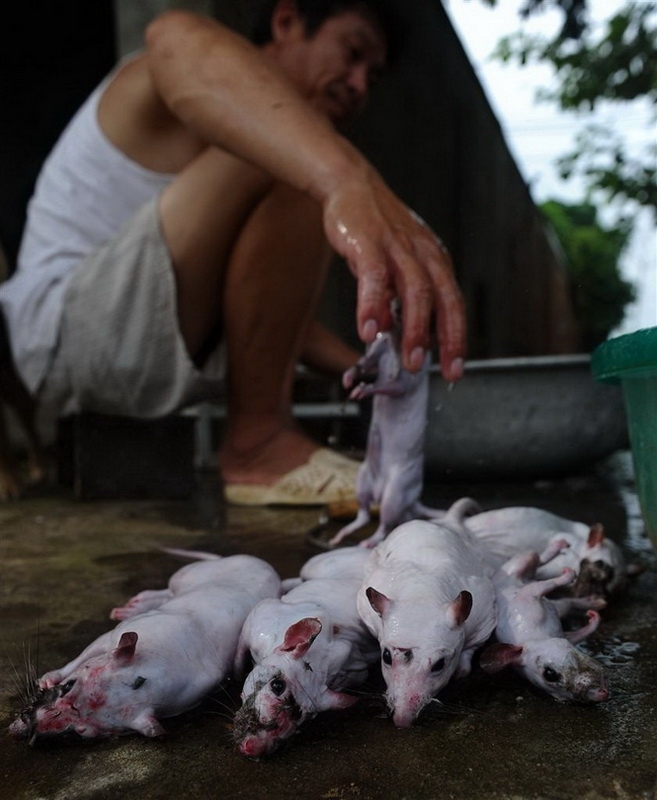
(534, 417)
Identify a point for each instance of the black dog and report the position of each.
(14, 394)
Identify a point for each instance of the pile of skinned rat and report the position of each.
(417, 606)
(425, 594)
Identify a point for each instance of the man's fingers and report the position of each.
(373, 309)
(451, 334)
(451, 331)
(391, 251)
(416, 294)
(424, 282)
(450, 308)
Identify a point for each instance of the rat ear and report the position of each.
(596, 534)
(124, 652)
(379, 602)
(500, 655)
(300, 635)
(461, 607)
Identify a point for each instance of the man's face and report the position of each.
(335, 67)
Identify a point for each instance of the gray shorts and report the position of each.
(120, 350)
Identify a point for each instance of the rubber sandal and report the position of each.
(327, 477)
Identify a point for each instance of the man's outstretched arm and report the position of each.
(227, 92)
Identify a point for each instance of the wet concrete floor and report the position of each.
(65, 563)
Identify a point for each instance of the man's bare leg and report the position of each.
(273, 285)
(202, 213)
(253, 259)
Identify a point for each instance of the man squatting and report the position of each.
(189, 210)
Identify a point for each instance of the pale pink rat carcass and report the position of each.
(428, 597)
(309, 649)
(530, 635)
(392, 473)
(598, 562)
(171, 647)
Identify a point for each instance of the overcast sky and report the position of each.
(537, 133)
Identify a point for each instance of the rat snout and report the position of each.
(599, 695)
(594, 578)
(267, 737)
(403, 717)
(591, 690)
(404, 711)
(588, 684)
(263, 723)
(55, 719)
(20, 726)
(256, 746)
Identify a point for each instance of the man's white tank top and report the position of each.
(86, 191)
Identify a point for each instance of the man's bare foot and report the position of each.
(288, 469)
(266, 462)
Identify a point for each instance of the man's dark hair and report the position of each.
(315, 12)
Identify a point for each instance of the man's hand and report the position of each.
(392, 252)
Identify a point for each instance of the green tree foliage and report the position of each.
(617, 65)
(592, 251)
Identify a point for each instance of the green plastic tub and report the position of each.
(631, 361)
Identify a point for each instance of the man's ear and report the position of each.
(286, 22)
